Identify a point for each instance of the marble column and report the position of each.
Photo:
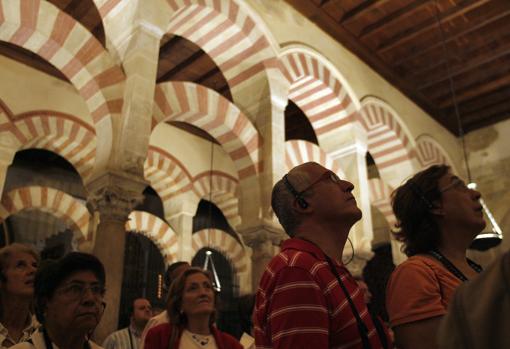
(264, 241)
(352, 160)
(182, 224)
(8, 147)
(113, 196)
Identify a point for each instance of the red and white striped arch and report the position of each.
(221, 189)
(389, 142)
(60, 133)
(208, 110)
(224, 243)
(429, 152)
(50, 200)
(158, 231)
(170, 178)
(166, 174)
(298, 152)
(43, 29)
(380, 197)
(318, 90)
(228, 32)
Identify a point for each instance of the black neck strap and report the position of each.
(49, 345)
(362, 328)
(452, 268)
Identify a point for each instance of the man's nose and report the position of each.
(348, 186)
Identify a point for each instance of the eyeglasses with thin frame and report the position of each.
(456, 183)
(77, 290)
(326, 175)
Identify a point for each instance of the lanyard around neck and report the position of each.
(452, 268)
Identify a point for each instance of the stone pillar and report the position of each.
(265, 242)
(8, 147)
(182, 224)
(132, 131)
(259, 228)
(113, 196)
(351, 157)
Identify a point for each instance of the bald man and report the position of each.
(307, 298)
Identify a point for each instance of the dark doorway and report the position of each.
(143, 274)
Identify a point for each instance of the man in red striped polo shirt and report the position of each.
(306, 297)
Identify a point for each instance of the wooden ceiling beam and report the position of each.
(432, 23)
(469, 80)
(401, 13)
(431, 79)
(181, 66)
(483, 88)
(495, 109)
(427, 48)
(357, 11)
(487, 121)
(169, 45)
(479, 103)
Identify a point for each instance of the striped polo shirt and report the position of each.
(300, 304)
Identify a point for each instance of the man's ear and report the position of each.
(302, 206)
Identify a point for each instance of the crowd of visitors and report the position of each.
(306, 298)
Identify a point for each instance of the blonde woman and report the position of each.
(18, 264)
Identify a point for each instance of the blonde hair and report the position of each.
(5, 254)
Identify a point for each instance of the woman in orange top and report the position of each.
(438, 218)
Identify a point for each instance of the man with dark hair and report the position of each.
(306, 297)
(173, 271)
(130, 337)
(68, 302)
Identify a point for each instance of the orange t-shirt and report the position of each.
(419, 288)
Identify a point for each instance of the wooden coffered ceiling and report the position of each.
(403, 41)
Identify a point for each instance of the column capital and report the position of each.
(256, 236)
(355, 148)
(114, 195)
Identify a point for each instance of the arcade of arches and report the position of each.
(173, 120)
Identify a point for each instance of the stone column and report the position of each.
(114, 196)
(351, 157)
(264, 241)
(259, 228)
(182, 224)
(8, 147)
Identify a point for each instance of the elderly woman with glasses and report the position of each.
(68, 303)
(438, 218)
(191, 306)
(18, 264)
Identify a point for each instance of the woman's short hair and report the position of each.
(7, 251)
(52, 273)
(412, 203)
(174, 303)
(5, 254)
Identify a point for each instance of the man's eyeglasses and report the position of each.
(77, 291)
(457, 184)
(326, 175)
